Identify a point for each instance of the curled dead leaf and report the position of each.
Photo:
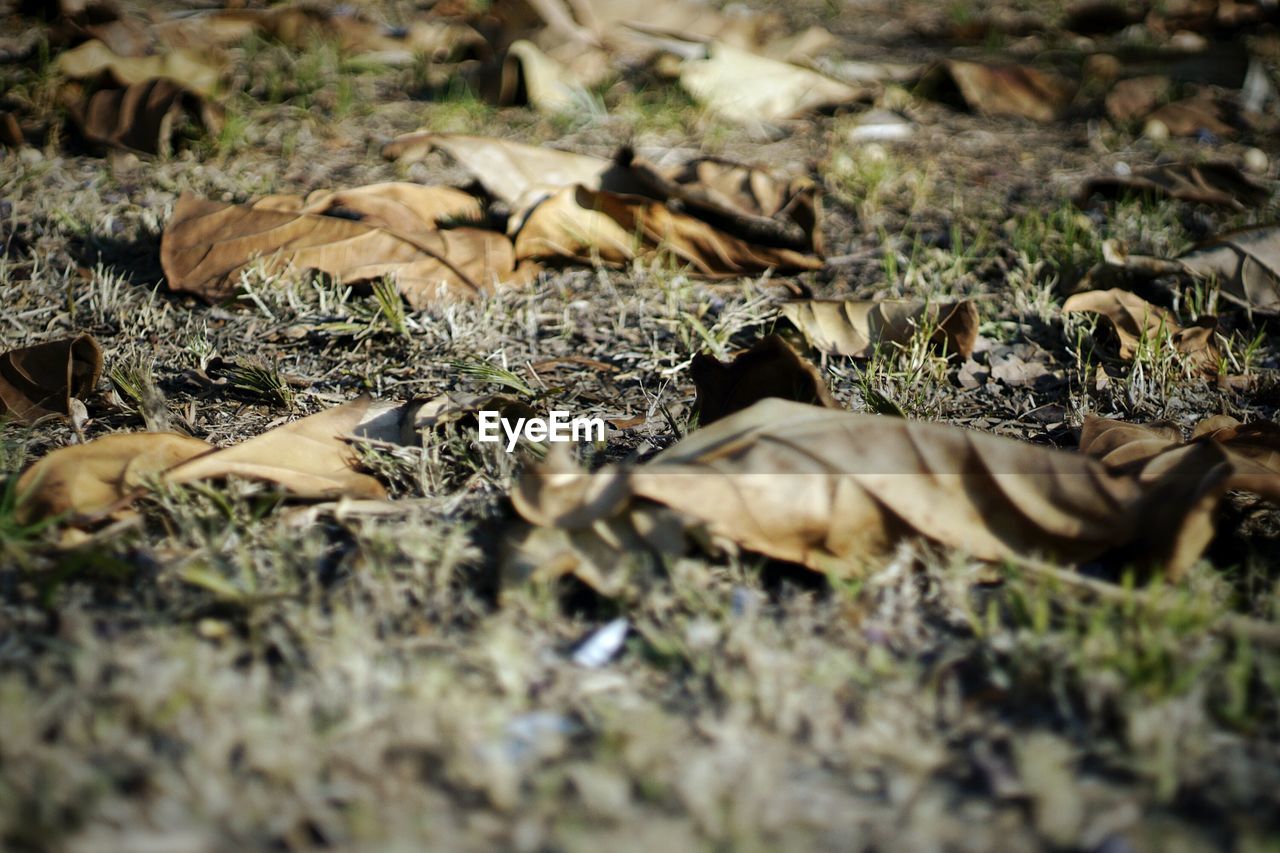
(517, 174)
(1205, 183)
(309, 458)
(208, 244)
(142, 117)
(1136, 322)
(1003, 90)
(856, 327)
(191, 70)
(834, 490)
(770, 368)
(42, 379)
(583, 225)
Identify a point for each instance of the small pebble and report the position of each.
(1255, 161)
(1155, 130)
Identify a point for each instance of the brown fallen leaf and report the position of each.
(1004, 90)
(309, 458)
(395, 205)
(1249, 453)
(856, 327)
(1203, 113)
(526, 75)
(1205, 183)
(835, 490)
(11, 133)
(208, 244)
(142, 117)
(515, 173)
(1136, 322)
(102, 476)
(770, 368)
(193, 71)
(300, 27)
(1245, 264)
(744, 200)
(587, 226)
(42, 379)
(754, 90)
(1136, 97)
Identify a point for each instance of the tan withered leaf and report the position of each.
(102, 475)
(207, 244)
(1136, 97)
(770, 368)
(835, 490)
(1005, 90)
(142, 117)
(526, 75)
(513, 172)
(1245, 264)
(396, 205)
(744, 200)
(309, 458)
(1120, 445)
(1205, 183)
(582, 225)
(300, 27)
(1136, 321)
(750, 89)
(1190, 116)
(192, 70)
(41, 379)
(855, 327)
(1233, 456)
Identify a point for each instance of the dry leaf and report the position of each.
(11, 132)
(395, 205)
(519, 175)
(142, 117)
(1245, 264)
(835, 490)
(1136, 97)
(771, 368)
(1192, 116)
(587, 226)
(1135, 321)
(187, 68)
(301, 27)
(101, 476)
(1005, 90)
(750, 89)
(1205, 183)
(856, 327)
(743, 200)
(309, 458)
(528, 76)
(208, 244)
(40, 380)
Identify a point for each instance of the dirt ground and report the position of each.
(239, 671)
